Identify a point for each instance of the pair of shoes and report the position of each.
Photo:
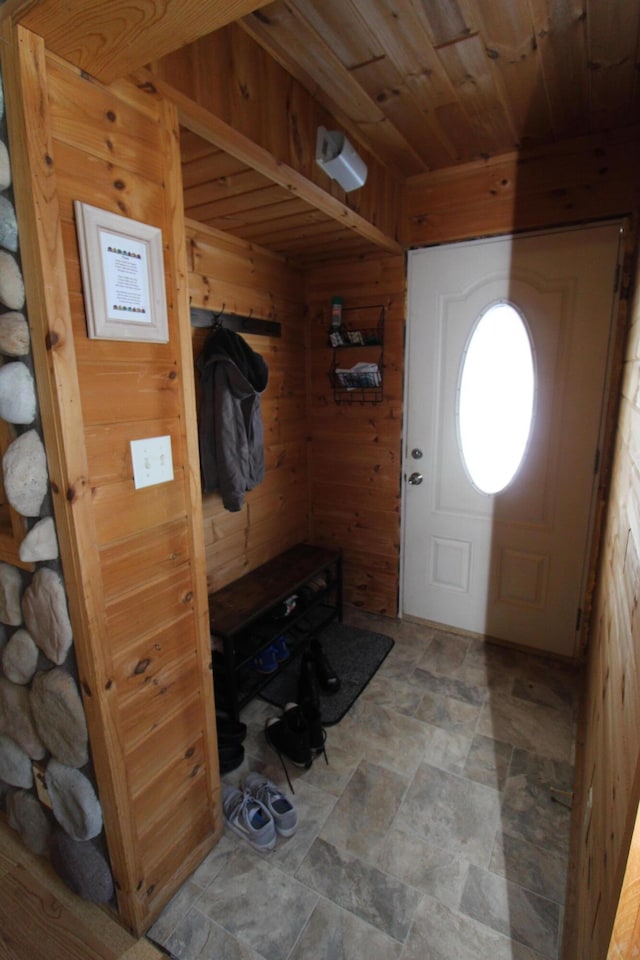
(259, 812)
(247, 817)
(268, 660)
(297, 735)
(327, 677)
(285, 815)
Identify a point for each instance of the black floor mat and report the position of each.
(354, 654)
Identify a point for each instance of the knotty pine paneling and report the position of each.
(134, 395)
(231, 274)
(233, 77)
(355, 450)
(577, 180)
(111, 43)
(132, 559)
(606, 807)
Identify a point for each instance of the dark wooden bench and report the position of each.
(243, 621)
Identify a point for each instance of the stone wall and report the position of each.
(47, 787)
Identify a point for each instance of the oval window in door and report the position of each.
(496, 398)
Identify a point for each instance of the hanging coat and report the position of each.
(232, 377)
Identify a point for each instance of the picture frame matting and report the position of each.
(122, 276)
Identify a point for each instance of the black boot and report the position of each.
(230, 730)
(289, 737)
(317, 733)
(308, 689)
(309, 699)
(230, 756)
(327, 677)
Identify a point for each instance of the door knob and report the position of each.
(415, 479)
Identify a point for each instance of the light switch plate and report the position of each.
(152, 461)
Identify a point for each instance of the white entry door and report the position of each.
(510, 564)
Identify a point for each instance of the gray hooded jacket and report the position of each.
(232, 377)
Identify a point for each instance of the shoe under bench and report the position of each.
(244, 617)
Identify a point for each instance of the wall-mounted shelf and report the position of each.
(357, 368)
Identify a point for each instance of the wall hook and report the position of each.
(217, 318)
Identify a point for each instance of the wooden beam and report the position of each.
(214, 130)
(109, 40)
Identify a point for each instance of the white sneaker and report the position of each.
(248, 817)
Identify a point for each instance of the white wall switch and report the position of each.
(152, 461)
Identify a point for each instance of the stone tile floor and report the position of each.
(432, 833)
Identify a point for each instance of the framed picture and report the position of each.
(122, 276)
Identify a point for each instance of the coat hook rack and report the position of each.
(217, 319)
(239, 323)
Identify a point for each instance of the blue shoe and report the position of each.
(280, 649)
(265, 661)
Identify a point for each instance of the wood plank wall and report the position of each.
(608, 802)
(231, 75)
(355, 450)
(133, 560)
(241, 278)
(625, 938)
(583, 179)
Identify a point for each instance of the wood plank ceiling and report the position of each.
(429, 84)
(425, 85)
(422, 84)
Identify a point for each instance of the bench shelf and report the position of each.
(247, 615)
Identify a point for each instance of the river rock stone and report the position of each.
(20, 657)
(5, 167)
(24, 467)
(10, 590)
(59, 716)
(73, 800)
(11, 282)
(5, 791)
(8, 225)
(82, 867)
(15, 765)
(15, 339)
(44, 606)
(16, 719)
(40, 543)
(28, 817)
(17, 393)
